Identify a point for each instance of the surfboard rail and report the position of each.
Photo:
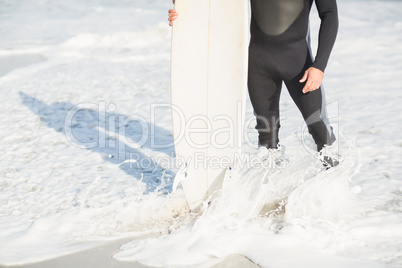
(208, 87)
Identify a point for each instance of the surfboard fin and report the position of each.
(181, 175)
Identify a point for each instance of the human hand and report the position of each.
(314, 77)
(172, 15)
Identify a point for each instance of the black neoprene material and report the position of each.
(279, 52)
(274, 17)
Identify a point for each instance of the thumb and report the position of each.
(304, 78)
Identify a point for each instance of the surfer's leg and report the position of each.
(264, 95)
(312, 107)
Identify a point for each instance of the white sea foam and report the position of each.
(58, 198)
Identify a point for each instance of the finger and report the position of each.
(313, 86)
(307, 86)
(310, 88)
(304, 77)
(173, 17)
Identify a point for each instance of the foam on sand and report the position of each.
(109, 61)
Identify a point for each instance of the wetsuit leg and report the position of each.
(278, 52)
(311, 106)
(264, 93)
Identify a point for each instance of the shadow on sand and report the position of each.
(119, 139)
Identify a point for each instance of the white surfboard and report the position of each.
(208, 87)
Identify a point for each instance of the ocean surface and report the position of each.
(84, 86)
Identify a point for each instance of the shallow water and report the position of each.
(11, 62)
(60, 194)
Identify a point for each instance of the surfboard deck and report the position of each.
(208, 87)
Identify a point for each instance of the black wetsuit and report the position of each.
(279, 52)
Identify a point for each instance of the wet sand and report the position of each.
(9, 63)
(102, 257)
